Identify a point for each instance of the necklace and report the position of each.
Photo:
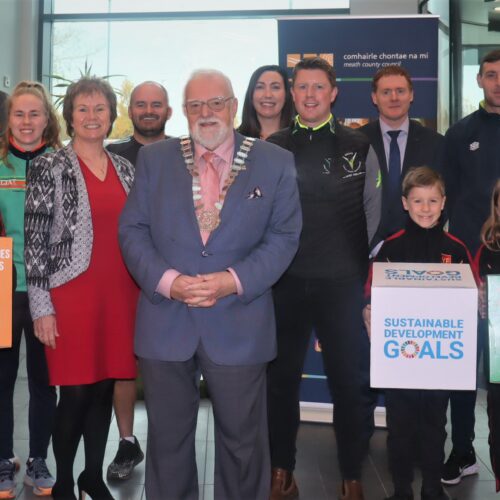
(209, 217)
(100, 164)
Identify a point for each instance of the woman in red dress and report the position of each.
(82, 297)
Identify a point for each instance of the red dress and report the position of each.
(95, 312)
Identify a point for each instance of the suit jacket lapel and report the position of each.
(378, 146)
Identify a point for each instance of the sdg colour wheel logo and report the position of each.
(410, 349)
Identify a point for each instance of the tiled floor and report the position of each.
(316, 472)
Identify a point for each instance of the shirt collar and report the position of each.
(15, 145)
(225, 151)
(19, 152)
(404, 127)
(329, 121)
(482, 108)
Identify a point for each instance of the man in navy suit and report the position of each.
(211, 223)
(416, 145)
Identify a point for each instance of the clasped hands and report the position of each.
(202, 290)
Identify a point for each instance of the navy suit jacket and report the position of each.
(423, 147)
(257, 237)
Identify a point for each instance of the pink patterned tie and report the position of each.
(209, 182)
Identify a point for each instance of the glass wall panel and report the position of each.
(472, 95)
(102, 6)
(166, 52)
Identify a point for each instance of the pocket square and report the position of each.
(255, 193)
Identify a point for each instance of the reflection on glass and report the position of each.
(472, 95)
(167, 52)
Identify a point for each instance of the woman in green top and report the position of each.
(32, 129)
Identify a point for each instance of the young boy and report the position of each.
(416, 419)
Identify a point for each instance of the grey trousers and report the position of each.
(238, 394)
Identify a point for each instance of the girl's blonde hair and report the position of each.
(51, 133)
(490, 232)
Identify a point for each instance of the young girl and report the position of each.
(32, 129)
(488, 262)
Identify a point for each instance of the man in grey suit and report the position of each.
(210, 225)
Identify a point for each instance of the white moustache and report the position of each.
(204, 121)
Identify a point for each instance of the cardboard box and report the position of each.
(424, 326)
(5, 292)
(493, 287)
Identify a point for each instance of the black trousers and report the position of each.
(416, 421)
(333, 310)
(494, 426)
(463, 403)
(42, 400)
(463, 419)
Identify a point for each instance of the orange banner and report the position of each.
(5, 292)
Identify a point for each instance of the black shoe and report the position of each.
(457, 467)
(127, 457)
(439, 494)
(94, 487)
(400, 497)
(62, 491)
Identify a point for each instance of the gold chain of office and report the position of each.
(209, 217)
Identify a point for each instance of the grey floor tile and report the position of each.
(203, 421)
(201, 461)
(208, 492)
(210, 430)
(210, 462)
(317, 471)
(483, 456)
(472, 488)
(126, 491)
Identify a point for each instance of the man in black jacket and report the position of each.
(400, 143)
(149, 111)
(337, 174)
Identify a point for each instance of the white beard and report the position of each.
(210, 139)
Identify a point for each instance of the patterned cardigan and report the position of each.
(58, 223)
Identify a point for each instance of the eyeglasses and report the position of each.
(215, 104)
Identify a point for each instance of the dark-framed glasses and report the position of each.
(215, 104)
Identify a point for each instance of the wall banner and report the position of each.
(357, 48)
